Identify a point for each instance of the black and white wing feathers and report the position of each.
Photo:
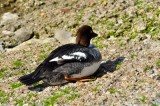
(73, 53)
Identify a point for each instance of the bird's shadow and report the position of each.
(41, 87)
(106, 66)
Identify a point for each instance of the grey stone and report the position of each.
(63, 36)
(23, 34)
(8, 18)
(10, 22)
(7, 33)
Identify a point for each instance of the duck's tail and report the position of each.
(32, 78)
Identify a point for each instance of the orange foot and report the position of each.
(83, 79)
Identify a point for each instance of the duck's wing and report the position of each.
(65, 54)
(70, 53)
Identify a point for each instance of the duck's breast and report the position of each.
(88, 70)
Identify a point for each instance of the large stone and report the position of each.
(7, 33)
(8, 18)
(64, 37)
(23, 34)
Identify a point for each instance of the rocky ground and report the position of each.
(129, 40)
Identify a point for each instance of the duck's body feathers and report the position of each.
(68, 59)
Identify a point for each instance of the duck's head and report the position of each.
(84, 35)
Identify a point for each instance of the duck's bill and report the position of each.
(95, 35)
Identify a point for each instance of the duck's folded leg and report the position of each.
(83, 79)
(87, 79)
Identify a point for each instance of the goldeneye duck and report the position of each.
(70, 62)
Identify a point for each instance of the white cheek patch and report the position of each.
(80, 54)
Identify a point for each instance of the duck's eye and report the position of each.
(91, 31)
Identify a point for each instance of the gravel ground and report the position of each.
(129, 40)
